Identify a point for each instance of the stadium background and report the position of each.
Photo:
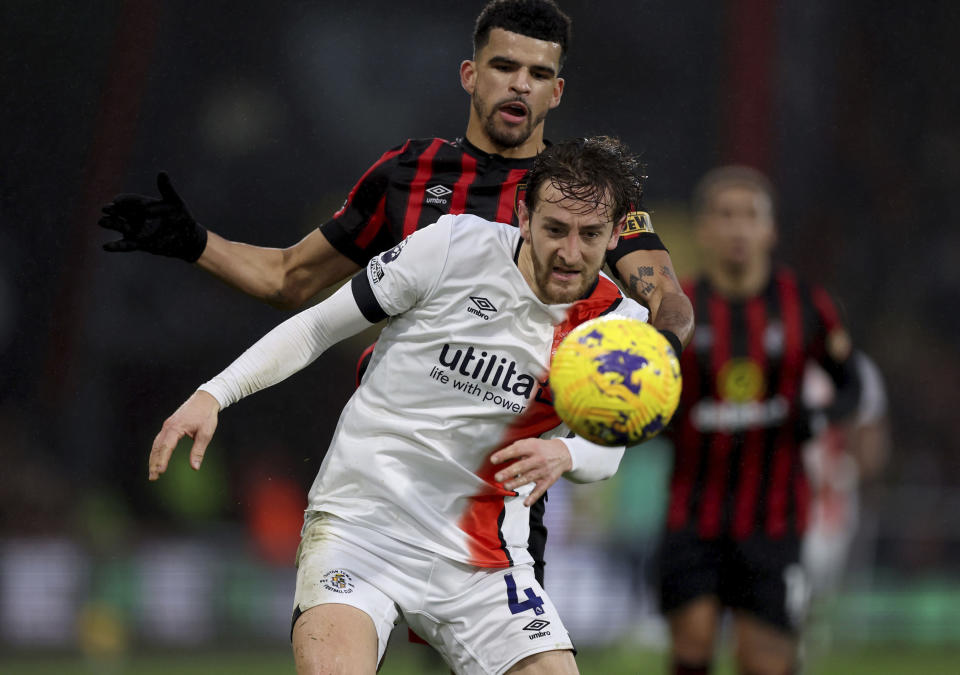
(265, 113)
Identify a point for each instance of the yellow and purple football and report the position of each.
(615, 381)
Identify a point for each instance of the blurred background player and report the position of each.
(513, 82)
(738, 493)
(840, 456)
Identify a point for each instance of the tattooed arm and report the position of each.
(648, 278)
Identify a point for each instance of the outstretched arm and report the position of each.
(649, 278)
(288, 348)
(285, 278)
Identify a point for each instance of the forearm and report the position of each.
(289, 347)
(256, 270)
(591, 462)
(285, 278)
(675, 314)
(648, 278)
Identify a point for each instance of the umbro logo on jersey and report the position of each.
(439, 191)
(438, 194)
(482, 306)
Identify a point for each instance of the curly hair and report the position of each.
(540, 19)
(599, 171)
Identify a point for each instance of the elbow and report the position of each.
(291, 289)
(286, 299)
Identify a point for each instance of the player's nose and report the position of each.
(520, 82)
(569, 251)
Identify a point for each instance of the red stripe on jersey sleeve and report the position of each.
(373, 225)
(508, 195)
(468, 168)
(711, 504)
(387, 156)
(825, 308)
(415, 196)
(751, 463)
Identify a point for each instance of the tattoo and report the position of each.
(641, 286)
(668, 272)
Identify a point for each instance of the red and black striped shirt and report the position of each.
(737, 465)
(414, 184)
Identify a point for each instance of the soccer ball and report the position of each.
(615, 381)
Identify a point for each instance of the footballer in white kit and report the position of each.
(405, 517)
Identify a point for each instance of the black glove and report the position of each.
(161, 226)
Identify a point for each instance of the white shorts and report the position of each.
(482, 620)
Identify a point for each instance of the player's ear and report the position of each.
(557, 92)
(523, 219)
(468, 76)
(615, 235)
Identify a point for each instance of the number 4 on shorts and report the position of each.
(533, 601)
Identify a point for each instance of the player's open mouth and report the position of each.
(565, 275)
(514, 112)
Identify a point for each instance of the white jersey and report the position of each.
(458, 373)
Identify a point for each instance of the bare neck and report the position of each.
(479, 138)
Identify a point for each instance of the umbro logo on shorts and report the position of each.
(537, 626)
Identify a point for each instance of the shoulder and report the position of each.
(416, 148)
(479, 234)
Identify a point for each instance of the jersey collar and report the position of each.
(513, 162)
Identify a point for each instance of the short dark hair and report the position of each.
(540, 19)
(599, 170)
(730, 176)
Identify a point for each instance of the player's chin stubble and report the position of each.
(504, 138)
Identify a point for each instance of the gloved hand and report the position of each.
(161, 226)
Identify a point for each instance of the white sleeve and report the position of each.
(290, 347)
(591, 462)
(632, 309)
(402, 276)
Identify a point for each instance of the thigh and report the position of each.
(489, 620)
(332, 572)
(335, 639)
(546, 663)
(765, 579)
(763, 649)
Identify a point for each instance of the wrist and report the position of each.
(195, 244)
(673, 340)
